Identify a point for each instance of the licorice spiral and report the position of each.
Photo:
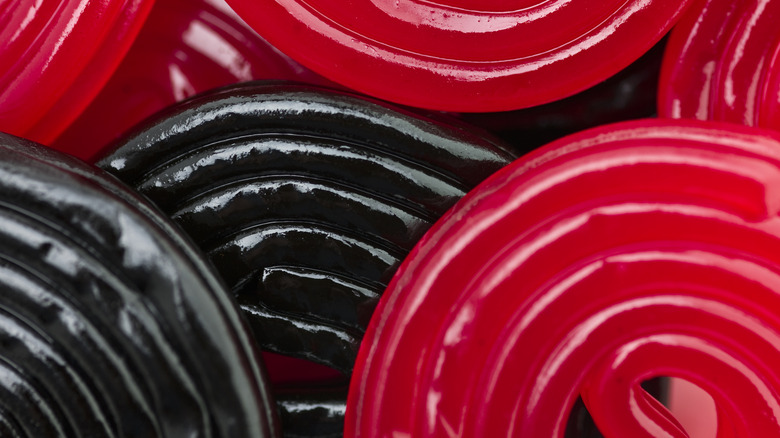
(305, 200)
(602, 260)
(111, 323)
(179, 52)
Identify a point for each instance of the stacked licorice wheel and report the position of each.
(288, 226)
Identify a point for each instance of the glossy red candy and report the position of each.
(463, 55)
(113, 324)
(185, 47)
(56, 55)
(723, 63)
(600, 261)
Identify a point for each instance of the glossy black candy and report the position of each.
(305, 200)
(312, 412)
(111, 324)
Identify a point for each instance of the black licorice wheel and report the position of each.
(110, 323)
(306, 201)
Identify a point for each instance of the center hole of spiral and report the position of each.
(693, 408)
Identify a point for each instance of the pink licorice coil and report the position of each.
(722, 62)
(607, 258)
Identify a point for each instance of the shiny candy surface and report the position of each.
(56, 55)
(185, 47)
(723, 63)
(463, 56)
(598, 262)
(305, 200)
(111, 323)
(316, 412)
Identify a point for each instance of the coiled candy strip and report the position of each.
(111, 324)
(305, 200)
(603, 260)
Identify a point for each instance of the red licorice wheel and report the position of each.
(600, 261)
(56, 55)
(723, 63)
(463, 55)
(185, 47)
